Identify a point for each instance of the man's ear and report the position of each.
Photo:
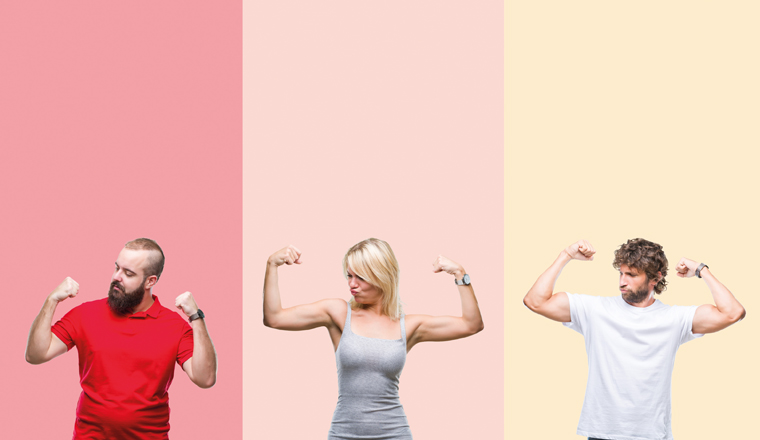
(150, 282)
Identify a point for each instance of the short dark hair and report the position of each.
(156, 259)
(645, 256)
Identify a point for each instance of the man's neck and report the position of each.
(646, 303)
(146, 303)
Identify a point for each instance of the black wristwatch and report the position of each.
(197, 315)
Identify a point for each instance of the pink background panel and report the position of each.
(119, 120)
(374, 120)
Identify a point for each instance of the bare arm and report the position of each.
(301, 317)
(42, 345)
(201, 367)
(712, 318)
(556, 306)
(424, 328)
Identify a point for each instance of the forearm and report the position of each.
(204, 356)
(272, 302)
(40, 336)
(544, 286)
(470, 309)
(724, 300)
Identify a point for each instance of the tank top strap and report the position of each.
(403, 329)
(347, 324)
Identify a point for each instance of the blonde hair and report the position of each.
(373, 261)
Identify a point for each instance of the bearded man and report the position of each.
(631, 339)
(127, 344)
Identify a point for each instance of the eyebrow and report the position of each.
(125, 268)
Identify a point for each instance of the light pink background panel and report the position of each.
(119, 120)
(380, 119)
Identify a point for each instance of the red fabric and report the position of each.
(126, 364)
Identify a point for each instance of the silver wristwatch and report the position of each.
(465, 281)
(699, 269)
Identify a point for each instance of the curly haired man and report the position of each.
(631, 339)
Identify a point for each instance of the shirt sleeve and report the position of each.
(185, 350)
(687, 319)
(67, 328)
(578, 312)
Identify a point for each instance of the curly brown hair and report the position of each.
(646, 256)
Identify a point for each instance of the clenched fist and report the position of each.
(443, 264)
(67, 289)
(581, 250)
(686, 268)
(186, 303)
(287, 255)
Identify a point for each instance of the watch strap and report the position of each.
(197, 315)
(699, 269)
(465, 281)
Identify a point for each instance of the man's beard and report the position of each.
(637, 296)
(123, 302)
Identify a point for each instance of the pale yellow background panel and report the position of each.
(635, 119)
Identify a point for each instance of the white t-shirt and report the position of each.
(631, 352)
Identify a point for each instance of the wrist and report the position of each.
(463, 281)
(459, 273)
(196, 316)
(703, 271)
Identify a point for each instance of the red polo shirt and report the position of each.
(126, 364)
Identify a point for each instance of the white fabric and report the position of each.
(631, 353)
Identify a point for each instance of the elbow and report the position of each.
(273, 320)
(479, 327)
(207, 379)
(208, 382)
(475, 327)
(270, 322)
(530, 304)
(738, 315)
(31, 359)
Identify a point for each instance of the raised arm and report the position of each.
(301, 317)
(423, 328)
(556, 306)
(711, 318)
(201, 367)
(42, 344)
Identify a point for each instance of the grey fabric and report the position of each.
(368, 374)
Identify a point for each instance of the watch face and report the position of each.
(466, 279)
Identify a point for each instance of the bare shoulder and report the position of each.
(336, 308)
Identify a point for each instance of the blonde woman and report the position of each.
(371, 334)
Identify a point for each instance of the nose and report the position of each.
(352, 282)
(116, 276)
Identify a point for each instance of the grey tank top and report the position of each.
(368, 374)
